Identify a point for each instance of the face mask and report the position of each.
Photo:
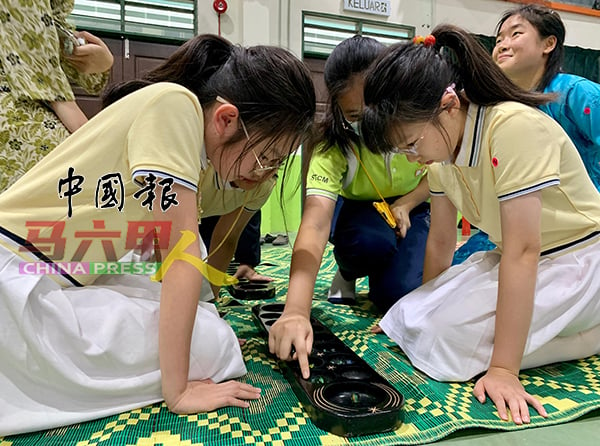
(354, 126)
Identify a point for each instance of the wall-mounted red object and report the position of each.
(220, 6)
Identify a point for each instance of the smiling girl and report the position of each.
(529, 49)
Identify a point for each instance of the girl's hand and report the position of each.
(93, 57)
(205, 396)
(401, 214)
(292, 330)
(504, 388)
(376, 329)
(247, 272)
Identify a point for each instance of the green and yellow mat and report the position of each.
(431, 412)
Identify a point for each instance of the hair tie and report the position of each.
(427, 41)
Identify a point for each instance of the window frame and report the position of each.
(349, 26)
(131, 23)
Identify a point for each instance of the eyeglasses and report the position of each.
(261, 167)
(411, 149)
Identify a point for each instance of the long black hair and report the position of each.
(548, 23)
(407, 83)
(271, 88)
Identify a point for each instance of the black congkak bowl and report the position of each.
(252, 290)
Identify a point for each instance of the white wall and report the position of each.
(279, 22)
(248, 22)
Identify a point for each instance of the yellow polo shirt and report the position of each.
(509, 150)
(110, 171)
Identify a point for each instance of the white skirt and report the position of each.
(446, 326)
(74, 354)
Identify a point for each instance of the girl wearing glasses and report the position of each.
(364, 243)
(529, 49)
(512, 171)
(201, 134)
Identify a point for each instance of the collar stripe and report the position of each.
(477, 131)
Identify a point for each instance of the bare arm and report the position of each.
(92, 57)
(178, 304)
(441, 241)
(179, 299)
(293, 327)
(521, 241)
(402, 206)
(70, 114)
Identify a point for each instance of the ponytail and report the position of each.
(483, 81)
(191, 65)
(407, 83)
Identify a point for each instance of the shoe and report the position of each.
(341, 291)
(280, 240)
(268, 238)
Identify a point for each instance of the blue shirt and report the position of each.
(577, 110)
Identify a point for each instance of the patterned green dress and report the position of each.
(33, 72)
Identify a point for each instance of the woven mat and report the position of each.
(432, 410)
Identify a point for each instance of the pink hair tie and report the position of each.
(427, 41)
